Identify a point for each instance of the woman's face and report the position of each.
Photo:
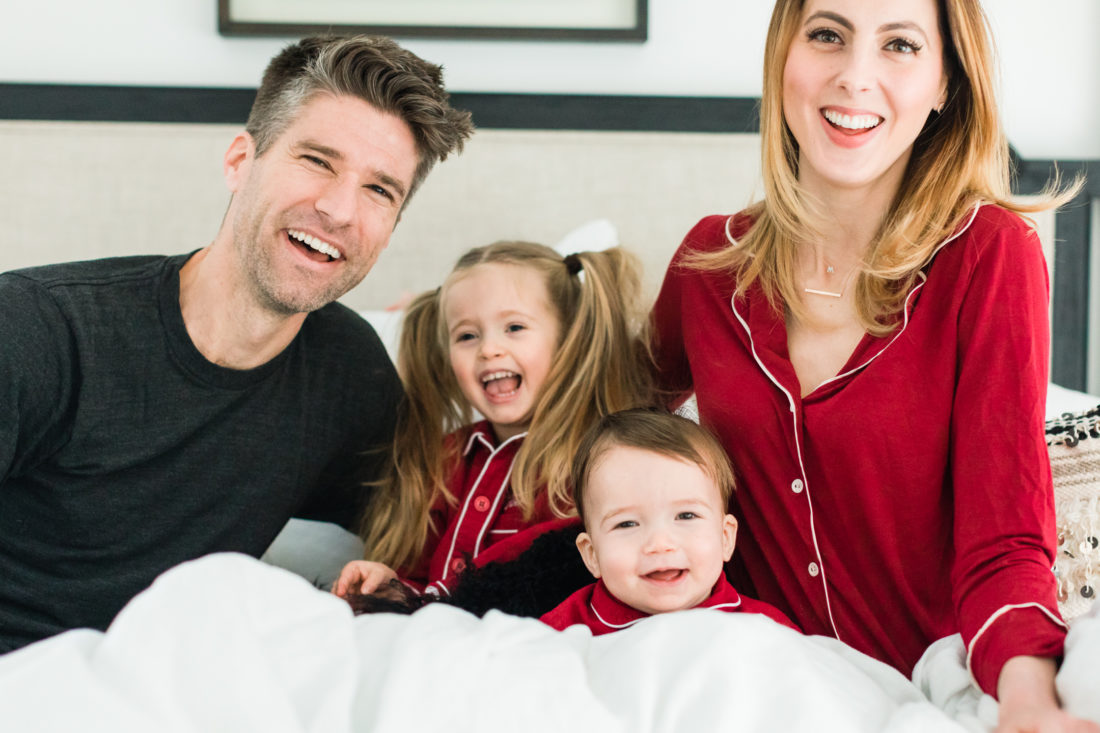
(860, 80)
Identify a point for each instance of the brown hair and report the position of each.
(373, 69)
(657, 431)
(602, 365)
(959, 160)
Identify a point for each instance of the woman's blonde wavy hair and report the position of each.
(602, 365)
(960, 158)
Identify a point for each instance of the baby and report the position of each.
(652, 490)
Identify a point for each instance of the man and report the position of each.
(155, 409)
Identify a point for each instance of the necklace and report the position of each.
(829, 270)
(829, 293)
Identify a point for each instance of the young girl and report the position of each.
(541, 347)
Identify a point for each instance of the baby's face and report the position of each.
(657, 530)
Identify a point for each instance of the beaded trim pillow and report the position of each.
(1074, 444)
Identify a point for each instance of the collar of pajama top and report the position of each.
(769, 344)
(612, 614)
(602, 613)
(484, 494)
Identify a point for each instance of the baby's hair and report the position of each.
(657, 431)
(602, 364)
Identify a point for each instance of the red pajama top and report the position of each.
(484, 516)
(603, 613)
(909, 497)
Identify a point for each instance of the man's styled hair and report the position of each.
(371, 68)
(656, 431)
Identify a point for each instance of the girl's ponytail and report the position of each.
(602, 366)
(396, 526)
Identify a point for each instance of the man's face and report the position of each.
(311, 215)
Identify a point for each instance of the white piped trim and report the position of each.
(610, 625)
(729, 237)
(905, 310)
(720, 606)
(801, 465)
(473, 490)
(491, 514)
(996, 615)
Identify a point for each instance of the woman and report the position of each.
(870, 343)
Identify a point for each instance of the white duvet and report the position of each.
(227, 643)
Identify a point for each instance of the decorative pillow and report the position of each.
(1074, 444)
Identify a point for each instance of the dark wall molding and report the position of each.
(1073, 225)
(86, 103)
(1073, 235)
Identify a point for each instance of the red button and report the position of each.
(481, 503)
(458, 565)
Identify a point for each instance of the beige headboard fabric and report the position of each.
(79, 190)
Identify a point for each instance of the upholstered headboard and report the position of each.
(76, 190)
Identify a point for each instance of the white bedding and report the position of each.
(226, 643)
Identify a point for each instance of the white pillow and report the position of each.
(1061, 400)
(595, 236)
(388, 326)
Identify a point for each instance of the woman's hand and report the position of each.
(362, 576)
(1029, 703)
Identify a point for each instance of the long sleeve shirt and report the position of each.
(909, 497)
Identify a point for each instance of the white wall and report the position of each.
(1050, 57)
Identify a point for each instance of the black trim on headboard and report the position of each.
(1073, 225)
(81, 103)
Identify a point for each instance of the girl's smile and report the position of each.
(501, 386)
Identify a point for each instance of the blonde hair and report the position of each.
(655, 431)
(959, 159)
(602, 365)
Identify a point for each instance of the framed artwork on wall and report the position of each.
(564, 20)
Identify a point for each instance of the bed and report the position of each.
(231, 643)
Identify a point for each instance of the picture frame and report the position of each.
(557, 20)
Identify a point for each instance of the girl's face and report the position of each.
(860, 80)
(503, 334)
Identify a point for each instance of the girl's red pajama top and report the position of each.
(909, 497)
(485, 514)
